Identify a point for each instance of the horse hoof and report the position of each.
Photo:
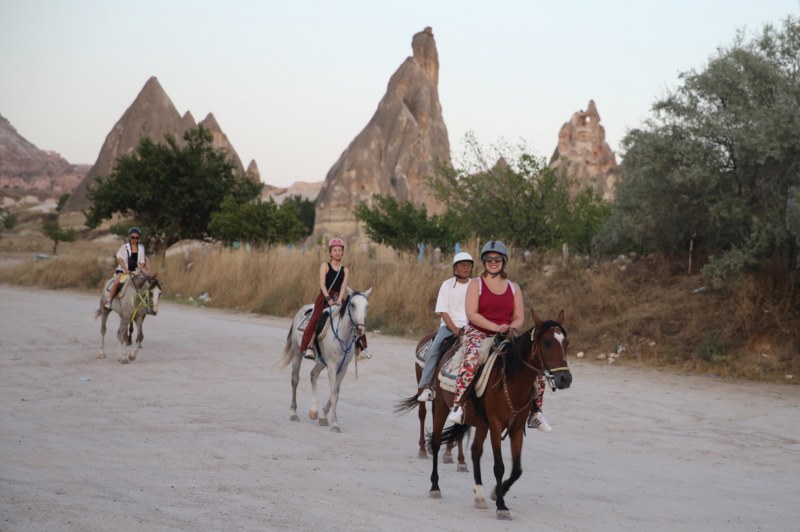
(462, 468)
(336, 429)
(132, 357)
(435, 494)
(312, 415)
(480, 503)
(101, 356)
(447, 459)
(294, 417)
(422, 454)
(504, 515)
(323, 422)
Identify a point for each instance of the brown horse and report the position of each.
(504, 406)
(449, 346)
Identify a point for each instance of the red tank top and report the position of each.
(497, 308)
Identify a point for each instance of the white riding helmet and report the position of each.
(462, 256)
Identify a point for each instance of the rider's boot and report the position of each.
(425, 395)
(310, 354)
(536, 420)
(456, 415)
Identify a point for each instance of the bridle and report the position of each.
(355, 326)
(545, 371)
(143, 296)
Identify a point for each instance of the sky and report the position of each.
(293, 83)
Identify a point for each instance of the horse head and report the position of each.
(357, 306)
(550, 350)
(152, 287)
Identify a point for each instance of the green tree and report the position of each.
(171, 189)
(257, 222)
(306, 209)
(62, 200)
(401, 226)
(55, 233)
(513, 196)
(717, 162)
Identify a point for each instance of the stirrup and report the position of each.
(310, 354)
(364, 355)
(425, 395)
(456, 415)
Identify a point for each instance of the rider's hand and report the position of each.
(502, 329)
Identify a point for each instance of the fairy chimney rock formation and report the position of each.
(220, 141)
(151, 115)
(584, 156)
(396, 151)
(253, 173)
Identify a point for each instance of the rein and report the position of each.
(144, 300)
(547, 373)
(346, 347)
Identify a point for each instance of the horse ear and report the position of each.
(349, 291)
(368, 292)
(536, 318)
(561, 317)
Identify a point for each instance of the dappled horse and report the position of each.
(138, 294)
(503, 408)
(335, 350)
(408, 404)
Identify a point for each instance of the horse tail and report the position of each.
(405, 405)
(287, 348)
(454, 433)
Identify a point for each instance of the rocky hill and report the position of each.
(397, 149)
(24, 167)
(151, 115)
(584, 155)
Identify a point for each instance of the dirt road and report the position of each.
(195, 435)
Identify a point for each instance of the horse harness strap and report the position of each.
(143, 300)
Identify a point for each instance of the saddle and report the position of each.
(323, 324)
(122, 289)
(449, 372)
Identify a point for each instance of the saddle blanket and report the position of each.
(449, 372)
(327, 315)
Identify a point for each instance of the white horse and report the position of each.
(335, 351)
(139, 294)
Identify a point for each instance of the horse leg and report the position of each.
(103, 319)
(421, 413)
(477, 452)
(334, 400)
(139, 337)
(516, 462)
(499, 470)
(313, 411)
(297, 359)
(462, 464)
(439, 412)
(121, 332)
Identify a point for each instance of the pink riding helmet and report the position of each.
(335, 242)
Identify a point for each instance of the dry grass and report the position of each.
(645, 307)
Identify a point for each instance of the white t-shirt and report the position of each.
(453, 300)
(125, 252)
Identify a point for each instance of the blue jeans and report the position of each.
(434, 354)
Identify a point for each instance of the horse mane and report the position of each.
(516, 351)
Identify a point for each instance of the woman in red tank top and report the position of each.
(494, 306)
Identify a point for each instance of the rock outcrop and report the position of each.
(304, 189)
(399, 147)
(151, 115)
(220, 141)
(252, 172)
(584, 156)
(25, 167)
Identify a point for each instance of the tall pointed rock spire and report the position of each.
(396, 151)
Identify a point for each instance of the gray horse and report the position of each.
(336, 350)
(137, 295)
